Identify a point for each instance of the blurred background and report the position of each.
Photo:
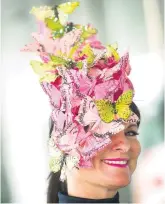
(137, 25)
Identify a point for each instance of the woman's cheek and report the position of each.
(135, 149)
(134, 154)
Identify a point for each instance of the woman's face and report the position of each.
(124, 145)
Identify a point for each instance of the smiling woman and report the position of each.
(93, 142)
(112, 170)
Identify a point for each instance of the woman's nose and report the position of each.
(120, 142)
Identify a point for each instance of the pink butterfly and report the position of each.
(94, 72)
(86, 85)
(90, 145)
(65, 43)
(125, 83)
(43, 29)
(53, 94)
(45, 43)
(48, 44)
(122, 65)
(94, 43)
(106, 88)
(66, 141)
(38, 48)
(59, 119)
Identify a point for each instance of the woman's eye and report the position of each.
(131, 133)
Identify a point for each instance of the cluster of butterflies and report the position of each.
(66, 36)
(67, 40)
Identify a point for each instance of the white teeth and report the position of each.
(115, 162)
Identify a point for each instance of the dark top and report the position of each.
(64, 198)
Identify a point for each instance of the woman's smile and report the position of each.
(120, 164)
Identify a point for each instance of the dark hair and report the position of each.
(54, 183)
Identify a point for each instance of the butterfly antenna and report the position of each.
(56, 11)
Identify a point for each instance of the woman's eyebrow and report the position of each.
(132, 125)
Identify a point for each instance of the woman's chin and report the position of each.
(122, 182)
(117, 177)
(119, 182)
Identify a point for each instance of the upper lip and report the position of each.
(116, 159)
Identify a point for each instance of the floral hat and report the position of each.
(87, 84)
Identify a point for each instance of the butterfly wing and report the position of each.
(57, 61)
(87, 113)
(53, 94)
(87, 50)
(107, 129)
(43, 70)
(90, 147)
(112, 51)
(68, 7)
(68, 139)
(53, 25)
(105, 89)
(33, 47)
(69, 40)
(42, 13)
(65, 9)
(88, 31)
(63, 18)
(123, 105)
(105, 110)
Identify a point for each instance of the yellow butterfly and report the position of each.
(87, 31)
(112, 51)
(65, 9)
(110, 111)
(68, 7)
(44, 70)
(87, 50)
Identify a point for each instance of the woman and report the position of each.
(83, 183)
(93, 139)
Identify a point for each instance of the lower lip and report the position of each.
(117, 165)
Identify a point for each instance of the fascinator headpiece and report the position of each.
(87, 84)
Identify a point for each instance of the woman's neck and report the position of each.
(83, 189)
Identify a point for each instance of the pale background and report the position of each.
(134, 24)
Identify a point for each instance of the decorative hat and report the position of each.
(87, 84)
